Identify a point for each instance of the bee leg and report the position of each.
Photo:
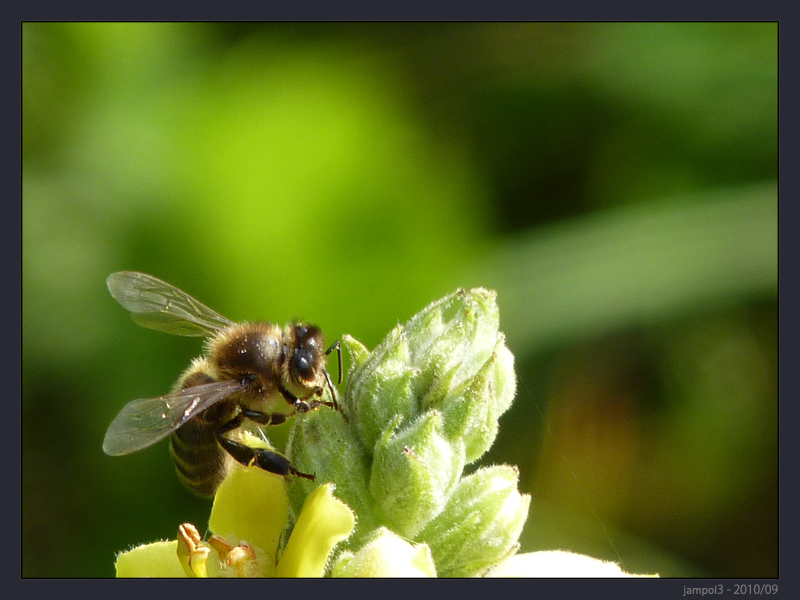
(263, 418)
(262, 458)
(334, 404)
(304, 406)
(301, 406)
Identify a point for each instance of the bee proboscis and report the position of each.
(258, 372)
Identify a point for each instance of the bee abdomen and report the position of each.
(199, 460)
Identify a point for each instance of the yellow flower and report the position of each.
(249, 515)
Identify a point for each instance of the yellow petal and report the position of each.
(324, 521)
(251, 505)
(159, 559)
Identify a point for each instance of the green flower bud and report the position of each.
(323, 443)
(480, 524)
(380, 388)
(358, 351)
(450, 357)
(453, 337)
(386, 555)
(414, 472)
(416, 410)
(471, 410)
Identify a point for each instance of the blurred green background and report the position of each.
(615, 183)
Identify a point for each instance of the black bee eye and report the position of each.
(302, 365)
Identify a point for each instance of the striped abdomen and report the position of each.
(199, 459)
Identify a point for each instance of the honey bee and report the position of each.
(258, 372)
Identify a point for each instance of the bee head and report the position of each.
(307, 356)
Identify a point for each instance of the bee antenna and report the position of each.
(338, 347)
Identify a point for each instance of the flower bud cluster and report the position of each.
(418, 409)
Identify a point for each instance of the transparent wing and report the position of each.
(158, 305)
(146, 421)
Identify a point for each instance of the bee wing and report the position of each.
(158, 305)
(146, 421)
